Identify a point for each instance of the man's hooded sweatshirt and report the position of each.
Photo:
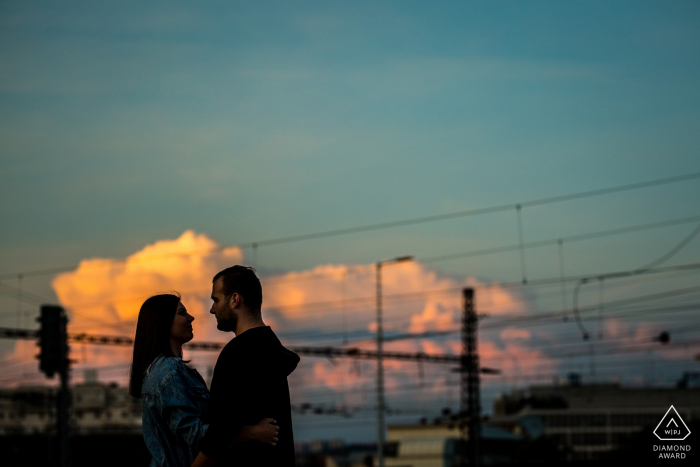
(249, 384)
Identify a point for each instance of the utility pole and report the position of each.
(380, 372)
(53, 341)
(381, 436)
(470, 404)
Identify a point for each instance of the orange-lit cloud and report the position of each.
(107, 290)
(103, 296)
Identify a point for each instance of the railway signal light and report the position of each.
(53, 340)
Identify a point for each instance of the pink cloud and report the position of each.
(103, 296)
(512, 333)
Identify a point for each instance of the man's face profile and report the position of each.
(226, 318)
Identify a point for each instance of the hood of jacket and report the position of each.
(266, 347)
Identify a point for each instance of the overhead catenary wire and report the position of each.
(485, 311)
(623, 351)
(562, 275)
(391, 224)
(205, 346)
(427, 260)
(325, 305)
(434, 401)
(523, 321)
(402, 389)
(643, 270)
(521, 242)
(646, 271)
(626, 349)
(442, 384)
(680, 268)
(521, 247)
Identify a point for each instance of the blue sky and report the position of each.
(138, 122)
(125, 123)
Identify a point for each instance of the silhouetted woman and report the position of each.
(174, 395)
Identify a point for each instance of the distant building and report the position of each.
(591, 419)
(105, 408)
(438, 444)
(315, 453)
(97, 408)
(27, 410)
(428, 445)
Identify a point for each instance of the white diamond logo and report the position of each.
(672, 427)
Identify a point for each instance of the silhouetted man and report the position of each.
(250, 378)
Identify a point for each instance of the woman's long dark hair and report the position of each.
(152, 336)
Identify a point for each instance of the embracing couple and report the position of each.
(246, 419)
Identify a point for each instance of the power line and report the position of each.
(555, 241)
(330, 352)
(427, 260)
(401, 317)
(519, 319)
(635, 272)
(626, 349)
(391, 224)
(523, 321)
(324, 306)
(631, 348)
(448, 384)
(327, 352)
(485, 312)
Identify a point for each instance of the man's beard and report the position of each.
(229, 323)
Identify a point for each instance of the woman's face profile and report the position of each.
(181, 330)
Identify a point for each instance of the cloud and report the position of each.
(640, 333)
(402, 379)
(414, 298)
(517, 359)
(104, 295)
(435, 316)
(511, 334)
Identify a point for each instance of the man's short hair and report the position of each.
(242, 280)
